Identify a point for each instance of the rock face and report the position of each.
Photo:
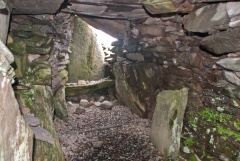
(60, 107)
(212, 79)
(74, 90)
(168, 121)
(218, 16)
(40, 64)
(43, 110)
(86, 60)
(222, 42)
(169, 51)
(16, 138)
(139, 98)
(207, 18)
(230, 63)
(167, 6)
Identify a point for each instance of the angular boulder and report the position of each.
(207, 18)
(230, 63)
(135, 85)
(168, 121)
(167, 6)
(222, 42)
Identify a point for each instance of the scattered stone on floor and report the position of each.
(110, 132)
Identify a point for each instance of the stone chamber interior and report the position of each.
(167, 89)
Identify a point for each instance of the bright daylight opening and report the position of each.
(103, 37)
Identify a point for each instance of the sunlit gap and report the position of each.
(104, 38)
(104, 41)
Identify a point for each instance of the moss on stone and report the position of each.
(60, 107)
(63, 74)
(80, 90)
(44, 111)
(26, 98)
(22, 34)
(214, 129)
(39, 50)
(35, 41)
(86, 62)
(18, 48)
(21, 65)
(37, 73)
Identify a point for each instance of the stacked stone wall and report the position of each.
(197, 51)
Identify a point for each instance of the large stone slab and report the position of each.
(16, 138)
(136, 84)
(35, 7)
(222, 42)
(44, 110)
(167, 6)
(168, 121)
(86, 59)
(207, 18)
(76, 90)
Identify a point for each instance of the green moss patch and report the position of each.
(212, 133)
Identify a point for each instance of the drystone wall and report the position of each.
(40, 45)
(199, 51)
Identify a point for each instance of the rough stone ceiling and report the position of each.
(109, 9)
(110, 16)
(115, 9)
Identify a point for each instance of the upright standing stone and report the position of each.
(86, 59)
(168, 120)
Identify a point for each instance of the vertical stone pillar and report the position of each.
(168, 121)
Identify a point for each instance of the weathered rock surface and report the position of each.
(60, 106)
(86, 59)
(207, 18)
(106, 105)
(97, 144)
(16, 138)
(230, 63)
(44, 110)
(135, 56)
(42, 134)
(233, 13)
(84, 103)
(31, 120)
(26, 6)
(231, 77)
(169, 6)
(168, 121)
(222, 42)
(89, 88)
(139, 99)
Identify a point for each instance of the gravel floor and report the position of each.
(94, 134)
